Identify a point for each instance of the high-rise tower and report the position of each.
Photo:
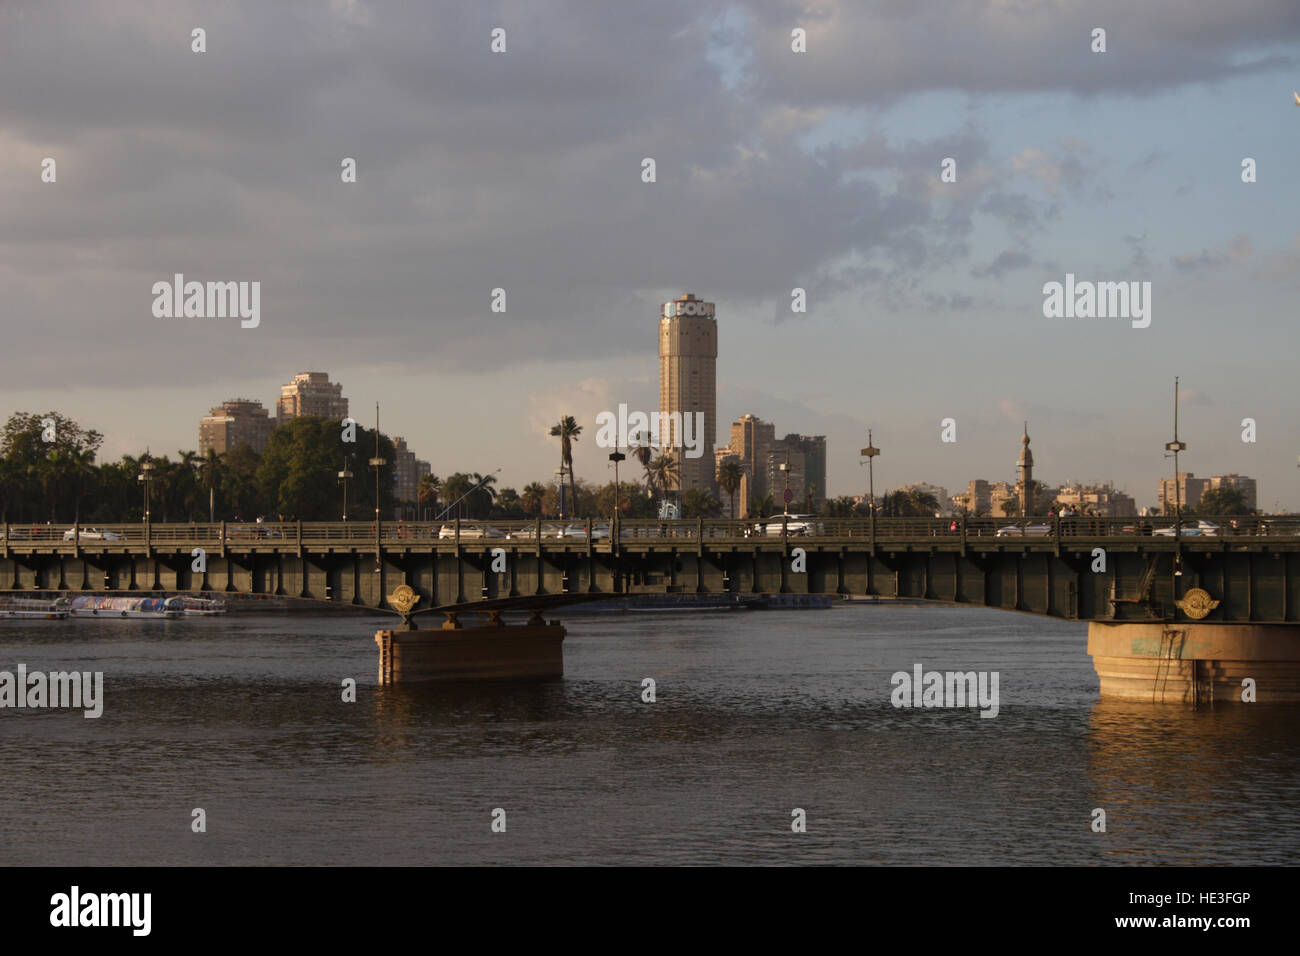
(688, 390)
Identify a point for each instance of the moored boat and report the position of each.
(34, 609)
(202, 607)
(126, 607)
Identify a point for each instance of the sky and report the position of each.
(774, 170)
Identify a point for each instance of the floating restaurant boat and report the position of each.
(202, 607)
(130, 607)
(34, 609)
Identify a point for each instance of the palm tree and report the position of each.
(426, 494)
(762, 506)
(532, 497)
(80, 467)
(211, 472)
(481, 498)
(567, 431)
(662, 473)
(730, 474)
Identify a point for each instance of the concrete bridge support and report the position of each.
(495, 651)
(1196, 663)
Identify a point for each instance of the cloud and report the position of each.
(1238, 250)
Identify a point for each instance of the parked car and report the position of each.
(1025, 531)
(91, 534)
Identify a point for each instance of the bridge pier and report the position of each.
(1196, 663)
(494, 651)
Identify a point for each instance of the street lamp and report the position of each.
(616, 456)
(785, 496)
(344, 475)
(559, 474)
(1176, 446)
(377, 463)
(870, 453)
(145, 476)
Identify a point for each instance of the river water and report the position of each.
(757, 713)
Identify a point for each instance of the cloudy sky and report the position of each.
(775, 170)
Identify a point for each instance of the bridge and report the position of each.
(1185, 612)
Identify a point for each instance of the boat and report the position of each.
(201, 607)
(129, 607)
(34, 609)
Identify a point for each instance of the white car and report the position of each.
(91, 534)
(468, 531)
(1025, 531)
(789, 524)
(1202, 529)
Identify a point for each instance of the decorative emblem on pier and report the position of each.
(1197, 603)
(402, 600)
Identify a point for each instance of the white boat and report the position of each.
(34, 609)
(201, 607)
(129, 607)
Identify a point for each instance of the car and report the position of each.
(1202, 529)
(1025, 531)
(470, 531)
(789, 524)
(91, 534)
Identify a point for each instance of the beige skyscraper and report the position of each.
(311, 393)
(688, 390)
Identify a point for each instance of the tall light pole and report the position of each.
(344, 475)
(559, 474)
(616, 456)
(1176, 446)
(377, 463)
(145, 476)
(785, 495)
(870, 453)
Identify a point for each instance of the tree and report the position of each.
(762, 507)
(1011, 507)
(730, 474)
(211, 470)
(481, 496)
(700, 504)
(662, 473)
(532, 498)
(298, 473)
(1222, 501)
(426, 494)
(567, 430)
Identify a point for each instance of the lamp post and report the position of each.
(559, 474)
(145, 476)
(616, 456)
(870, 453)
(1176, 446)
(785, 496)
(377, 463)
(344, 475)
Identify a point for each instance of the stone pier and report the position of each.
(495, 651)
(1196, 663)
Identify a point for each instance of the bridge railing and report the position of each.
(598, 530)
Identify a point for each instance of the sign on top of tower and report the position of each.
(687, 304)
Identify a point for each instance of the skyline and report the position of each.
(775, 171)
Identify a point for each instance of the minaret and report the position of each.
(1026, 465)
